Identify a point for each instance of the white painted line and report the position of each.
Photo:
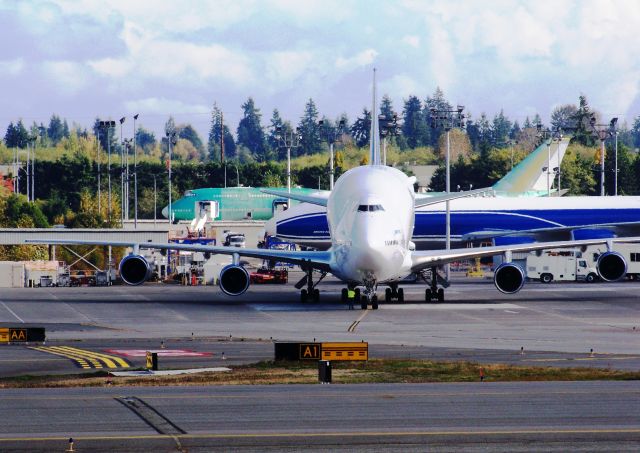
(12, 312)
(449, 306)
(511, 311)
(169, 372)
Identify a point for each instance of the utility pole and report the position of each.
(122, 174)
(448, 119)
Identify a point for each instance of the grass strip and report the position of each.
(373, 371)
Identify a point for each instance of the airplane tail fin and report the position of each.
(374, 136)
(530, 175)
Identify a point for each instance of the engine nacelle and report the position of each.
(508, 278)
(611, 266)
(134, 270)
(234, 280)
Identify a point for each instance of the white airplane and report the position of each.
(371, 214)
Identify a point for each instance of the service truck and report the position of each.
(578, 264)
(561, 265)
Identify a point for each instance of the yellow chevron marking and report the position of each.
(87, 359)
(109, 360)
(78, 361)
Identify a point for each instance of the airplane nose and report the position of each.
(165, 212)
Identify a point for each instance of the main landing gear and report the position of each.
(433, 293)
(310, 293)
(394, 293)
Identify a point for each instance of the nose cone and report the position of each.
(165, 212)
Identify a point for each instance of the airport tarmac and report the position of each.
(556, 325)
(575, 317)
(518, 417)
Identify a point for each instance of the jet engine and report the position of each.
(508, 278)
(234, 280)
(134, 270)
(611, 266)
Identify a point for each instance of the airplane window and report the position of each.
(370, 208)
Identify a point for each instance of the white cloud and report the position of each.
(71, 77)
(285, 67)
(12, 67)
(364, 58)
(154, 105)
(411, 40)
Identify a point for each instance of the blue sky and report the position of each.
(82, 58)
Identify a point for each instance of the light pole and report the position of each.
(171, 137)
(155, 199)
(448, 119)
(288, 139)
(331, 135)
(135, 172)
(602, 131)
(614, 129)
(106, 126)
(122, 174)
(388, 126)
(33, 139)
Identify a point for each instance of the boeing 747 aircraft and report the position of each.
(371, 214)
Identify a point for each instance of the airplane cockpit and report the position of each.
(370, 208)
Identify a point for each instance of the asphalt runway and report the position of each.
(565, 416)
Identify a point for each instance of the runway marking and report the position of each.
(332, 434)
(571, 359)
(451, 306)
(354, 324)
(12, 312)
(84, 358)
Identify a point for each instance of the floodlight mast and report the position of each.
(332, 135)
(448, 119)
(288, 139)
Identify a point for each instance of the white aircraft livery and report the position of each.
(371, 215)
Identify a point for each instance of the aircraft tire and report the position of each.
(316, 295)
(440, 295)
(388, 295)
(304, 296)
(363, 303)
(427, 295)
(400, 295)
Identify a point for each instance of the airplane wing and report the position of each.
(562, 233)
(320, 260)
(320, 198)
(429, 200)
(430, 258)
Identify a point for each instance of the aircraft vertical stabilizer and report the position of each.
(530, 175)
(374, 136)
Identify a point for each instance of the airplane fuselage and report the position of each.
(307, 224)
(370, 216)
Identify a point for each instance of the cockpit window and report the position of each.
(370, 208)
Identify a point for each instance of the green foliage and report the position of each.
(250, 133)
(310, 141)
